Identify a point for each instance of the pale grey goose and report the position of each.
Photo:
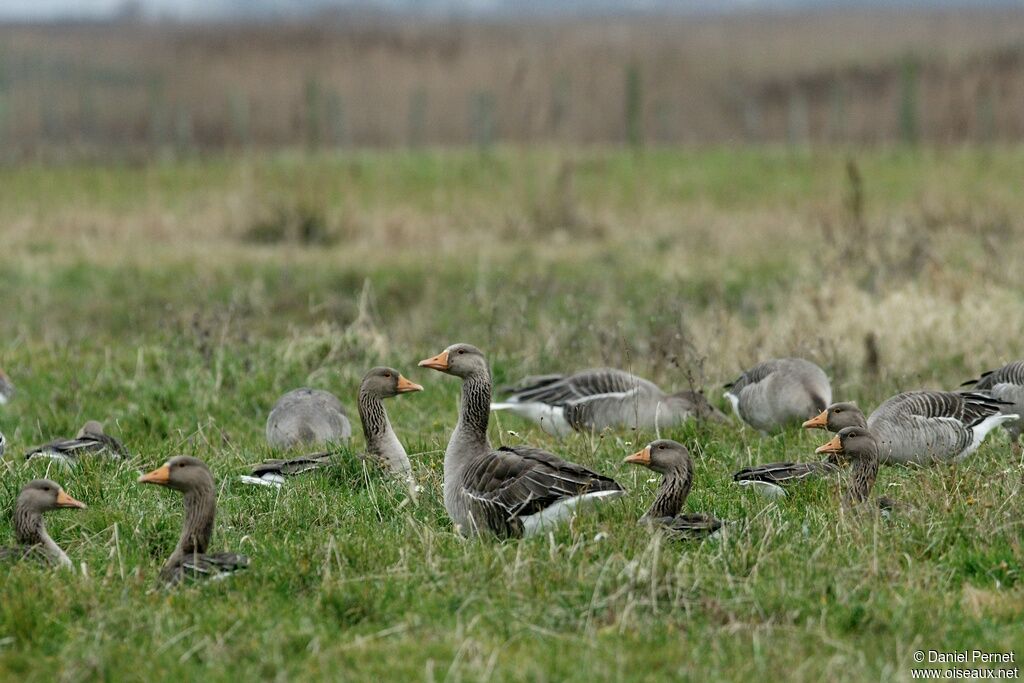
(771, 479)
(307, 417)
(90, 440)
(779, 392)
(6, 388)
(382, 444)
(672, 461)
(601, 398)
(512, 491)
(191, 477)
(36, 497)
(1006, 384)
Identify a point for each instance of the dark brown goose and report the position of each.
(779, 392)
(90, 440)
(36, 497)
(190, 559)
(1006, 384)
(512, 491)
(382, 444)
(6, 388)
(860, 447)
(602, 398)
(771, 479)
(672, 460)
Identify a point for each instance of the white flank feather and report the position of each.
(765, 488)
(553, 515)
(275, 480)
(550, 418)
(981, 430)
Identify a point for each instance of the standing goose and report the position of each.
(36, 497)
(593, 400)
(6, 388)
(859, 446)
(770, 479)
(672, 460)
(512, 491)
(307, 417)
(1006, 384)
(192, 477)
(382, 445)
(779, 392)
(90, 440)
(925, 427)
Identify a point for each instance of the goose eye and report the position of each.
(387, 374)
(461, 351)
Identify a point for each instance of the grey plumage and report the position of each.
(779, 392)
(1007, 385)
(3, 444)
(90, 440)
(6, 388)
(36, 497)
(601, 398)
(510, 491)
(860, 447)
(307, 417)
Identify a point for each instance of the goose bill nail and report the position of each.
(404, 385)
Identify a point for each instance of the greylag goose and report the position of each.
(382, 445)
(1006, 384)
(307, 417)
(770, 479)
(672, 461)
(6, 388)
(190, 559)
(925, 427)
(593, 400)
(779, 392)
(36, 497)
(90, 440)
(512, 491)
(860, 447)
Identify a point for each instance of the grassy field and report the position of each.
(176, 301)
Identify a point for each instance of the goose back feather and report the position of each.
(1007, 385)
(307, 417)
(779, 392)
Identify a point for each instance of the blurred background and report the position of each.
(141, 77)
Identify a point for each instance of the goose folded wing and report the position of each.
(754, 375)
(291, 466)
(779, 472)
(692, 525)
(522, 481)
(581, 385)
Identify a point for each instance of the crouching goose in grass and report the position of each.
(771, 479)
(307, 417)
(6, 388)
(860, 447)
(382, 445)
(1006, 384)
(37, 497)
(593, 400)
(90, 440)
(190, 559)
(926, 427)
(512, 491)
(672, 460)
(779, 392)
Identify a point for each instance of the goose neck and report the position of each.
(672, 493)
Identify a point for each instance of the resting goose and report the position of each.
(779, 392)
(3, 444)
(6, 388)
(672, 460)
(36, 497)
(190, 559)
(90, 440)
(307, 417)
(859, 446)
(925, 427)
(382, 445)
(512, 491)
(770, 479)
(593, 400)
(1006, 384)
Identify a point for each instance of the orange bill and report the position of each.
(66, 501)
(405, 386)
(438, 362)
(819, 421)
(641, 457)
(833, 446)
(161, 475)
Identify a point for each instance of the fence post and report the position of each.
(797, 119)
(909, 128)
(417, 117)
(238, 110)
(334, 112)
(634, 106)
(986, 115)
(482, 119)
(314, 112)
(561, 97)
(837, 113)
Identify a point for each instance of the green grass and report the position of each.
(131, 295)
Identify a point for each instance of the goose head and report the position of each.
(855, 444)
(460, 360)
(90, 428)
(42, 495)
(663, 456)
(181, 473)
(836, 417)
(387, 382)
